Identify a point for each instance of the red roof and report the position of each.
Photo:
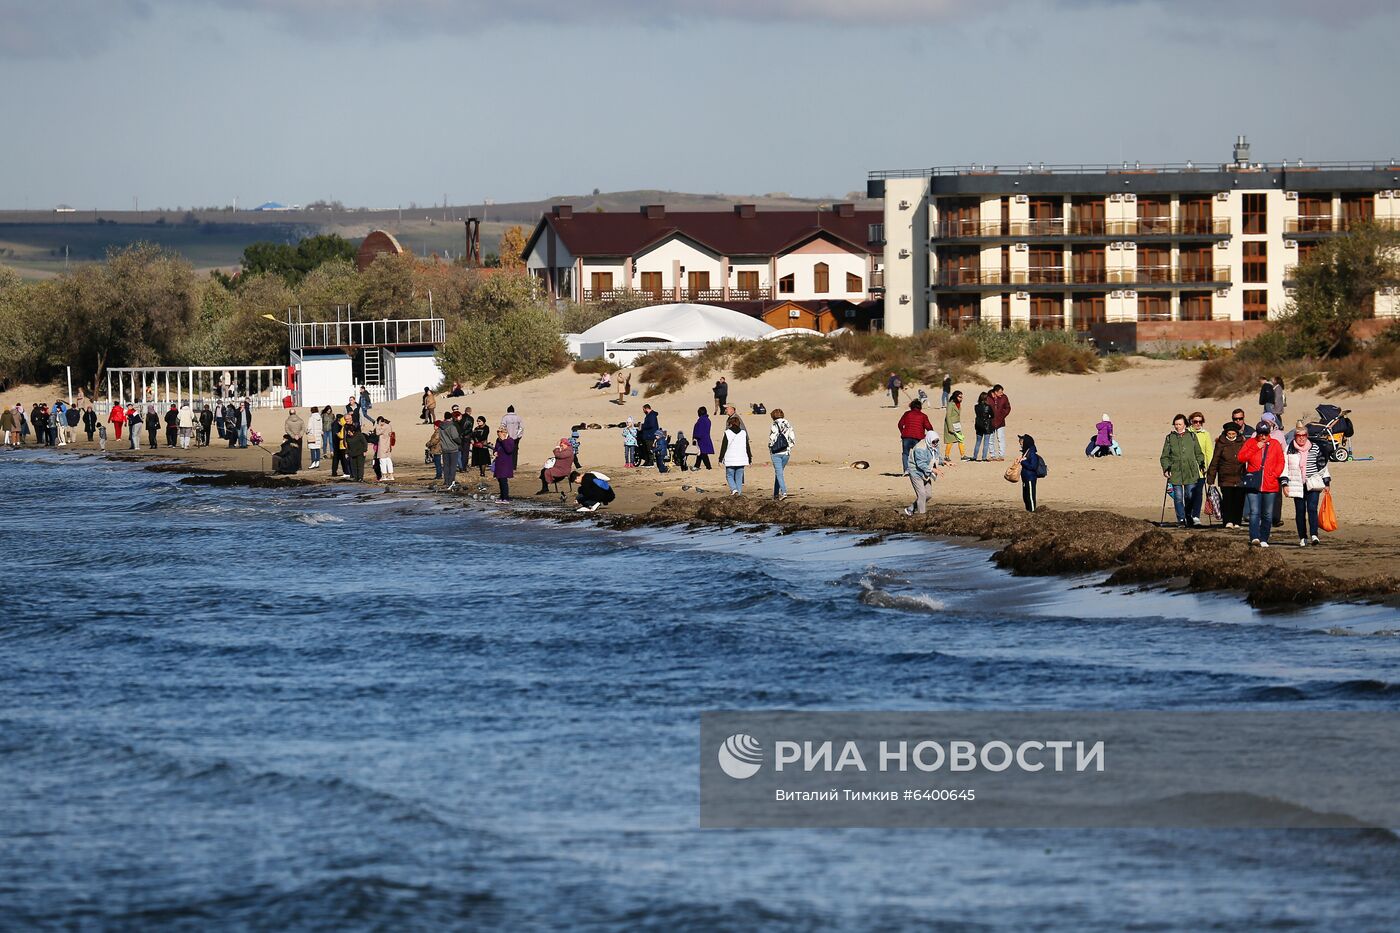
(727, 233)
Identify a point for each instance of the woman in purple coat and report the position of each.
(703, 444)
(503, 467)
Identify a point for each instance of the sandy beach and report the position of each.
(835, 428)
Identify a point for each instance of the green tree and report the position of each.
(511, 246)
(25, 331)
(524, 343)
(334, 283)
(1336, 287)
(294, 263)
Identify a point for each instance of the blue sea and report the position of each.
(339, 708)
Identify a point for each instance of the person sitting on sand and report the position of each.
(287, 458)
(594, 489)
(604, 381)
(1103, 438)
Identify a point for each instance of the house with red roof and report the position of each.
(714, 257)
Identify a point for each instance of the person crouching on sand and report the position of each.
(594, 489)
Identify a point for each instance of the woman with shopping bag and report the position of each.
(1305, 479)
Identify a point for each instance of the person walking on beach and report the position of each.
(704, 444)
(1032, 469)
(136, 423)
(23, 424)
(982, 425)
(356, 447)
(1266, 394)
(184, 420)
(893, 385)
(925, 465)
(1304, 478)
(315, 436)
(117, 418)
(781, 441)
(433, 449)
(38, 422)
(721, 394)
(1196, 494)
(515, 430)
(90, 421)
(1264, 462)
(913, 428)
(336, 449)
(328, 431)
(1280, 399)
(206, 425)
(429, 406)
(1183, 464)
(153, 428)
(9, 428)
(624, 385)
(503, 464)
(1227, 474)
(947, 388)
(1237, 418)
(952, 424)
(384, 448)
(172, 426)
(1001, 410)
(450, 441)
(735, 455)
(365, 404)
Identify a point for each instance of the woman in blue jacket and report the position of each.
(1031, 465)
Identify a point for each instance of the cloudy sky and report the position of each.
(386, 102)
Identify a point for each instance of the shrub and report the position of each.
(1204, 351)
(1117, 362)
(596, 367)
(1000, 346)
(1269, 347)
(1306, 381)
(810, 351)
(663, 372)
(716, 355)
(758, 358)
(1389, 365)
(1353, 375)
(1055, 356)
(524, 343)
(963, 349)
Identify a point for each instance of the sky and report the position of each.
(384, 103)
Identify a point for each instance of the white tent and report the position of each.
(682, 328)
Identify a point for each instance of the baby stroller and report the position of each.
(1333, 430)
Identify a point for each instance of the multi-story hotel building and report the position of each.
(1190, 251)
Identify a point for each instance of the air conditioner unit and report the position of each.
(1021, 247)
(1022, 296)
(1129, 197)
(1289, 292)
(1290, 195)
(1115, 197)
(1115, 246)
(1117, 294)
(904, 205)
(1222, 195)
(1222, 244)
(904, 299)
(1290, 244)
(794, 313)
(1130, 294)
(1021, 199)
(904, 254)
(1385, 194)
(1222, 293)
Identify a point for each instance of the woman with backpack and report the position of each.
(1032, 468)
(781, 439)
(982, 425)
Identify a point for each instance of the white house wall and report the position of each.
(674, 255)
(802, 266)
(325, 380)
(413, 369)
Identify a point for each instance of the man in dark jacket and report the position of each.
(90, 422)
(1266, 394)
(206, 426)
(450, 435)
(153, 427)
(356, 446)
(646, 437)
(288, 456)
(172, 426)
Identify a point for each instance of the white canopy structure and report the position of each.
(681, 328)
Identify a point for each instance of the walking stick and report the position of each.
(1166, 491)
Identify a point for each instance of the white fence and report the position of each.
(263, 386)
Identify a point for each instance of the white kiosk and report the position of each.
(393, 358)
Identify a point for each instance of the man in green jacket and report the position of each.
(1183, 465)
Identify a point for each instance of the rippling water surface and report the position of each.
(339, 709)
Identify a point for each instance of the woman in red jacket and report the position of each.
(913, 426)
(1263, 461)
(118, 418)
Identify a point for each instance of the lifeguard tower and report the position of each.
(393, 358)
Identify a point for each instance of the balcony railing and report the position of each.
(1093, 227)
(1330, 223)
(877, 281)
(326, 335)
(1060, 275)
(676, 295)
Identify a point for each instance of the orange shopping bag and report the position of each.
(1326, 513)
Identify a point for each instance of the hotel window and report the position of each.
(1086, 216)
(1154, 307)
(1088, 311)
(960, 216)
(1256, 262)
(1195, 264)
(1314, 213)
(1195, 306)
(1256, 304)
(854, 283)
(1154, 264)
(600, 282)
(1047, 312)
(1357, 209)
(1088, 265)
(1005, 311)
(748, 282)
(1256, 213)
(787, 284)
(651, 283)
(821, 278)
(1196, 216)
(1046, 216)
(1154, 215)
(698, 282)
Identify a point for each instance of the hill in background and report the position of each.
(40, 244)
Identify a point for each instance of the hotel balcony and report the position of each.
(877, 283)
(1037, 278)
(1062, 228)
(1319, 224)
(676, 295)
